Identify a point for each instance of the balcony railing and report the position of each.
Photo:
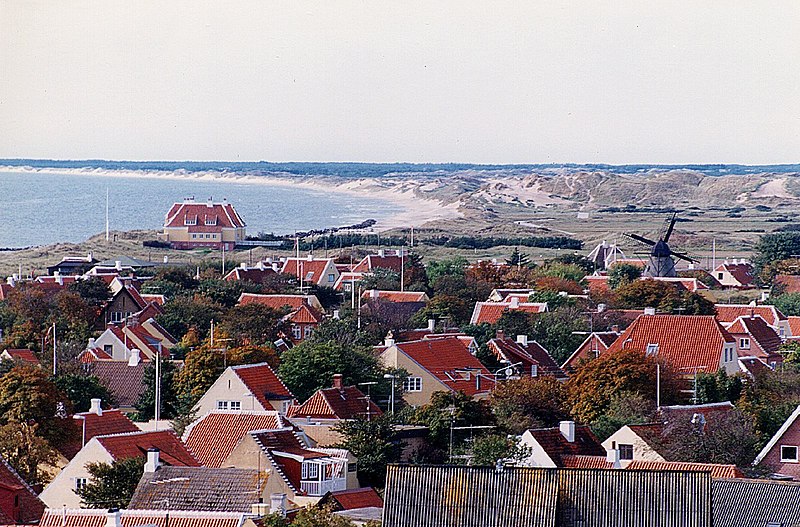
(319, 488)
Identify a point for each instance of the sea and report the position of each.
(41, 208)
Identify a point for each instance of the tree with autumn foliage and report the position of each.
(252, 324)
(529, 402)
(23, 448)
(27, 395)
(664, 296)
(596, 382)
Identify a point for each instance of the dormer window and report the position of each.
(652, 349)
(744, 343)
(211, 220)
(190, 220)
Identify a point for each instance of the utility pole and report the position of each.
(55, 354)
(402, 269)
(157, 411)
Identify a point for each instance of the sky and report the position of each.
(467, 81)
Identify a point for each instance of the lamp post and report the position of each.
(392, 377)
(83, 428)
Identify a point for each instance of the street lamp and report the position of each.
(392, 377)
(83, 428)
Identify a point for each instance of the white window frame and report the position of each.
(652, 349)
(534, 370)
(412, 384)
(222, 405)
(211, 221)
(331, 278)
(297, 332)
(236, 405)
(188, 221)
(744, 343)
(307, 331)
(629, 448)
(789, 460)
(81, 483)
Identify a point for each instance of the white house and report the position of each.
(247, 387)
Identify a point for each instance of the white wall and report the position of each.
(59, 493)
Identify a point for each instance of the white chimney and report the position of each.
(523, 340)
(431, 325)
(260, 266)
(650, 311)
(373, 293)
(336, 314)
(310, 257)
(567, 429)
(135, 358)
(381, 253)
(277, 503)
(114, 518)
(389, 341)
(601, 308)
(91, 344)
(89, 257)
(243, 265)
(514, 304)
(95, 408)
(152, 461)
(118, 265)
(612, 456)
(59, 278)
(269, 259)
(276, 267)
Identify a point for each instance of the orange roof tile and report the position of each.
(333, 403)
(787, 283)
(213, 437)
(532, 354)
(110, 422)
(396, 296)
(490, 312)
(686, 342)
(304, 315)
(305, 269)
(579, 461)
(373, 261)
(224, 214)
(136, 444)
(355, 498)
(556, 445)
(758, 329)
(727, 313)
(24, 355)
(794, 326)
(262, 383)
(717, 471)
(276, 301)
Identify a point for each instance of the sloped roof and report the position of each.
(262, 382)
(373, 261)
(490, 312)
(788, 283)
(742, 273)
(274, 442)
(758, 329)
(24, 355)
(214, 436)
(761, 502)
(789, 423)
(396, 296)
(309, 270)
(257, 275)
(582, 461)
(753, 366)
(278, 301)
(446, 358)
(601, 339)
(650, 433)
(727, 313)
(794, 326)
(717, 471)
(304, 315)
(556, 445)
(159, 300)
(334, 403)
(31, 507)
(199, 489)
(224, 213)
(134, 518)
(136, 444)
(532, 354)
(110, 422)
(350, 499)
(686, 342)
(123, 382)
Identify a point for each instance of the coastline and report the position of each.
(418, 208)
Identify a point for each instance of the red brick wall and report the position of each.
(773, 458)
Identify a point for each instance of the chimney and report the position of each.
(650, 311)
(601, 308)
(336, 314)
(89, 257)
(135, 358)
(431, 325)
(337, 381)
(118, 265)
(373, 293)
(260, 266)
(277, 504)
(500, 334)
(381, 253)
(243, 265)
(276, 267)
(59, 278)
(152, 461)
(269, 259)
(389, 341)
(615, 329)
(113, 518)
(310, 257)
(95, 408)
(91, 344)
(514, 304)
(210, 202)
(523, 340)
(612, 456)
(567, 429)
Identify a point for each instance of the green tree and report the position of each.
(320, 517)
(772, 248)
(557, 269)
(718, 387)
(375, 445)
(310, 366)
(622, 274)
(529, 402)
(186, 312)
(145, 406)
(344, 332)
(450, 268)
(624, 409)
(663, 296)
(488, 449)
(517, 259)
(446, 409)
(252, 323)
(23, 449)
(81, 389)
(171, 281)
(381, 279)
(93, 290)
(788, 303)
(111, 486)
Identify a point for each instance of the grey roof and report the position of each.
(122, 381)
(198, 489)
(755, 503)
(457, 496)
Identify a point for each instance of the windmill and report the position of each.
(661, 262)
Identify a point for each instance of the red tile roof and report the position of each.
(309, 270)
(448, 359)
(595, 345)
(573, 461)
(717, 471)
(727, 313)
(304, 315)
(686, 342)
(5, 289)
(396, 296)
(753, 366)
(213, 437)
(354, 498)
(556, 445)
(24, 355)
(224, 213)
(333, 403)
(155, 299)
(30, 507)
(490, 312)
(742, 273)
(532, 354)
(136, 444)
(794, 326)
(132, 518)
(110, 422)
(262, 383)
(785, 282)
(758, 329)
(374, 261)
(277, 301)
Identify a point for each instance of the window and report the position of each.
(108, 348)
(297, 332)
(229, 405)
(331, 278)
(194, 236)
(744, 343)
(788, 454)
(534, 370)
(118, 316)
(80, 483)
(652, 349)
(625, 451)
(222, 405)
(211, 221)
(412, 384)
(309, 471)
(307, 330)
(236, 405)
(190, 220)
(719, 276)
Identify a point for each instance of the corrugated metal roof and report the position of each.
(755, 503)
(457, 496)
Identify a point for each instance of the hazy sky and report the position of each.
(468, 81)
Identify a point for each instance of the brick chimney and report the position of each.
(337, 381)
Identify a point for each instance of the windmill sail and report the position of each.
(662, 258)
